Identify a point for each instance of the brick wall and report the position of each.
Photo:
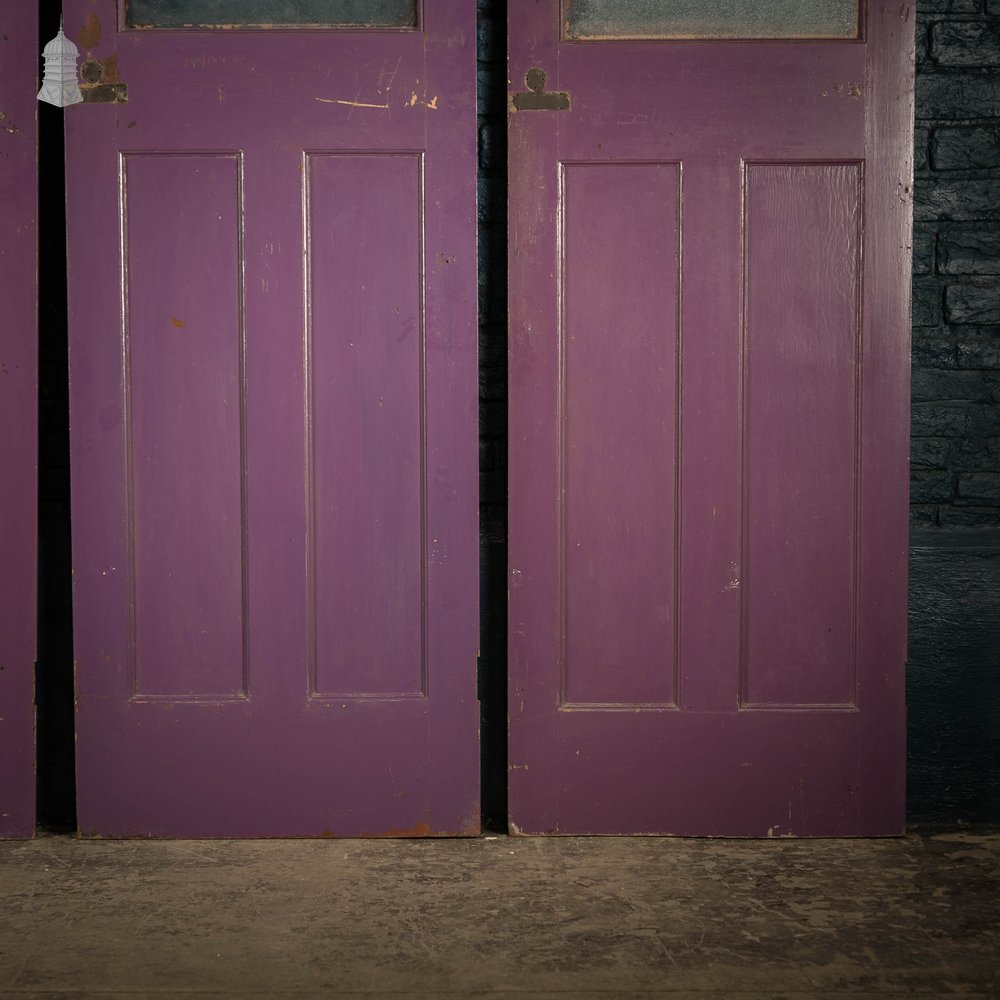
(955, 480)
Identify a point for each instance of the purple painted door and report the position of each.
(18, 416)
(709, 389)
(273, 363)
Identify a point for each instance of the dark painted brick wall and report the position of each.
(953, 678)
(953, 674)
(955, 481)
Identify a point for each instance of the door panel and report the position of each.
(367, 614)
(184, 405)
(273, 359)
(708, 343)
(18, 416)
(802, 282)
(618, 516)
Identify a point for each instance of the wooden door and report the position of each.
(18, 416)
(273, 367)
(710, 219)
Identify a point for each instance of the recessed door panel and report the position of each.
(366, 425)
(619, 515)
(184, 406)
(802, 287)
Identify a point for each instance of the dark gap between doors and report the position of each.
(55, 777)
(491, 48)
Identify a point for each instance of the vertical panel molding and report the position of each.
(801, 386)
(619, 520)
(366, 478)
(184, 386)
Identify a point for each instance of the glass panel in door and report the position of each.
(271, 14)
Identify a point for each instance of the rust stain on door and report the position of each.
(90, 34)
(422, 829)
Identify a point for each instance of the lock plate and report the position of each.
(537, 98)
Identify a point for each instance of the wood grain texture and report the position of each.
(802, 289)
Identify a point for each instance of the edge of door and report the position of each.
(18, 415)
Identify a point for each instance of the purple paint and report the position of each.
(801, 434)
(366, 515)
(184, 406)
(708, 575)
(19, 65)
(297, 527)
(619, 309)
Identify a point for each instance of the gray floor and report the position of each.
(592, 919)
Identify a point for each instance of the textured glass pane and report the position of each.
(711, 18)
(270, 13)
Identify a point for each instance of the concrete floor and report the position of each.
(574, 919)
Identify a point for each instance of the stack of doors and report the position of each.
(272, 282)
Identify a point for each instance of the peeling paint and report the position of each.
(352, 104)
(849, 89)
(415, 100)
(100, 82)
